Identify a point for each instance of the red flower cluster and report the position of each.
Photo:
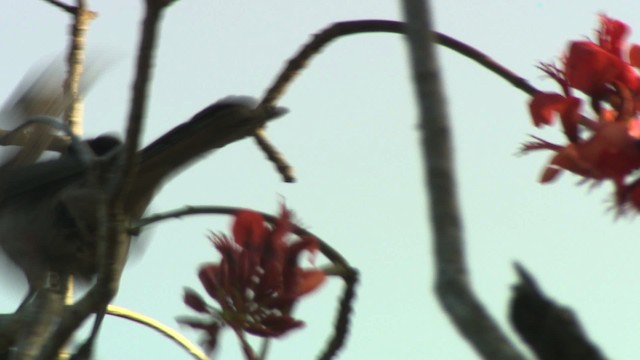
(608, 148)
(257, 281)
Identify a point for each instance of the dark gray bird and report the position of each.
(48, 209)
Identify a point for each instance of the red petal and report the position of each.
(634, 55)
(274, 326)
(612, 34)
(308, 281)
(248, 229)
(283, 225)
(208, 277)
(570, 118)
(194, 301)
(569, 159)
(539, 144)
(589, 68)
(544, 105)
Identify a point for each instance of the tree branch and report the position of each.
(112, 238)
(161, 328)
(452, 282)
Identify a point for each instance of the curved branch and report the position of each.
(153, 324)
(340, 29)
(332, 254)
(324, 37)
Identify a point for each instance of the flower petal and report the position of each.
(194, 301)
(543, 106)
(612, 35)
(248, 229)
(308, 281)
(274, 326)
(634, 55)
(208, 275)
(589, 68)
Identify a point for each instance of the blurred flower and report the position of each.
(606, 149)
(257, 281)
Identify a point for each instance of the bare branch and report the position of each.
(75, 59)
(159, 327)
(453, 288)
(340, 29)
(112, 238)
(59, 4)
(284, 169)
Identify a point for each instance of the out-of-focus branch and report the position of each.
(75, 59)
(43, 311)
(340, 29)
(159, 327)
(58, 143)
(59, 4)
(113, 244)
(284, 169)
(452, 279)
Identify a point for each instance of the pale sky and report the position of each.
(351, 135)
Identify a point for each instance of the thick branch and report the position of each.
(452, 287)
(112, 238)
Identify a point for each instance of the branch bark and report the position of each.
(452, 280)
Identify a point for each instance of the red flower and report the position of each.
(592, 68)
(607, 149)
(611, 153)
(258, 280)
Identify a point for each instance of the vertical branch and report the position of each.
(75, 59)
(112, 238)
(453, 288)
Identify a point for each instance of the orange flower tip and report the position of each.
(310, 280)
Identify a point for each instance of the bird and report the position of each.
(48, 209)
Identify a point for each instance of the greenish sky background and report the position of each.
(351, 135)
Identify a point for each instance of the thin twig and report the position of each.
(159, 327)
(452, 278)
(284, 169)
(340, 29)
(342, 321)
(59, 4)
(326, 249)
